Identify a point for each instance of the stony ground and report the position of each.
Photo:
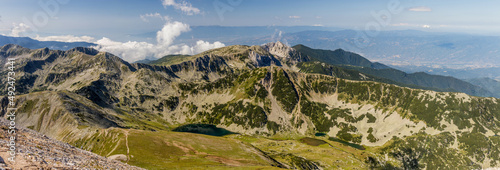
(37, 151)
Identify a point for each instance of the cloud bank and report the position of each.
(65, 38)
(18, 28)
(132, 50)
(183, 6)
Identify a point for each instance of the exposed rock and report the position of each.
(37, 151)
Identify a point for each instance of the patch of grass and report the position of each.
(172, 150)
(297, 154)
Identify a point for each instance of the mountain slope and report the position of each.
(37, 151)
(259, 93)
(356, 62)
(338, 57)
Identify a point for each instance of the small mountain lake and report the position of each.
(206, 129)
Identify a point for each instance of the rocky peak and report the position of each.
(279, 49)
(85, 50)
(263, 60)
(9, 46)
(12, 49)
(283, 51)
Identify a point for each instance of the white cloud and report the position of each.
(65, 38)
(132, 50)
(204, 46)
(420, 9)
(18, 28)
(318, 25)
(170, 31)
(183, 6)
(294, 17)
(426, 26)
(155, 15)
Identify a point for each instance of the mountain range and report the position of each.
(35, 44)
(402, 48)
(256, 107)
(463, 56)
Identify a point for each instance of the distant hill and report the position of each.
(488, 84)
(338, 57)
(354, 61)
(464, 73)
(35, 44)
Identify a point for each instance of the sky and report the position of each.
(110, 22)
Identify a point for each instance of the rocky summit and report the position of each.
(254, 107)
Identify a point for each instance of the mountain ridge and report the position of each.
(354, 61)
(251, 95)
(35, 44)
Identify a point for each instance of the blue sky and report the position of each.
(86, 17)
(91, 20)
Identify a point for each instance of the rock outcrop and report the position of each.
(38, 151)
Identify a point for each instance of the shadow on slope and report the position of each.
(206, 129)
(347, 143)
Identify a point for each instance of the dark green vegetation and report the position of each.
(284, 90)
(338, 57)
(422, 150)
(316, 112)
(252, 115)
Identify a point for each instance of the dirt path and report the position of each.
(121, 156)
(126, 144)
(116, 146)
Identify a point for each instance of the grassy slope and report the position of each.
(171, 59)
(174, 150)
(179, 150)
